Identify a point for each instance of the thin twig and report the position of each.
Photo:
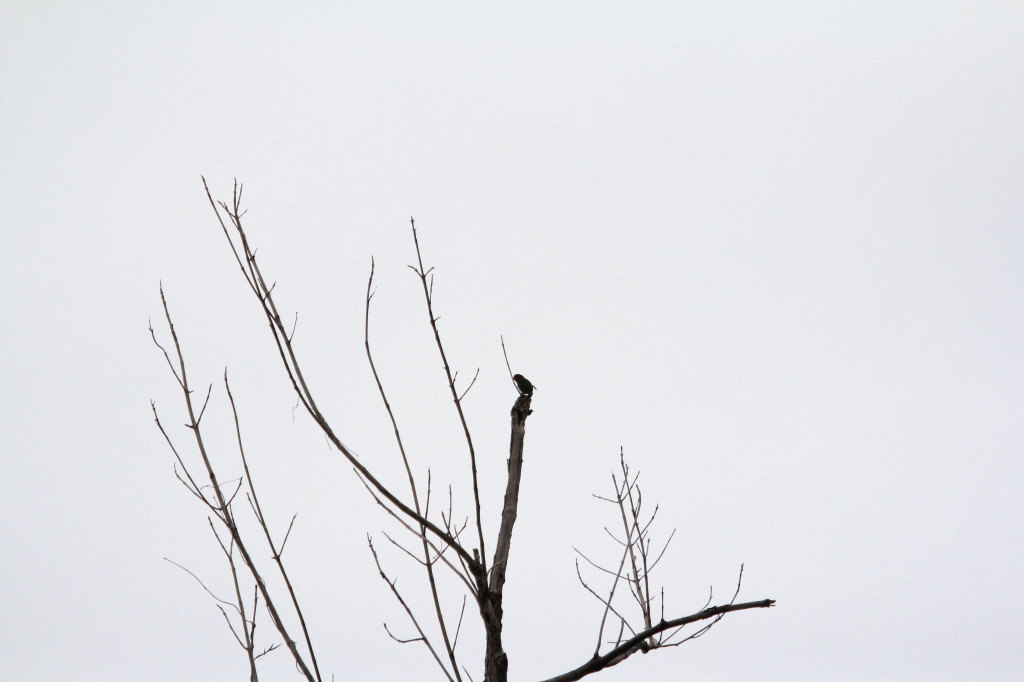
(466, 578)
(394, 590)
(245, 257)
(425, 545)
(222, 508)
(634, 643)
(422, 273)
(276, 553)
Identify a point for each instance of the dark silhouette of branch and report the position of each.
(422, 531)
(466, 579)
(636, 554)
(275, 552)
(428, 293)
(637, 641)
(394, 590)
(221, 507)
(248, 626)
(245, 257)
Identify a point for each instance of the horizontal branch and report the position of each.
(636, 643)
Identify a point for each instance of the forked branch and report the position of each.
(245, 257)
(421, 530)
(638, 641)
(428, 294)
(220, 505)
(636, 562)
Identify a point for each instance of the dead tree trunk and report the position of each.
(496, 661)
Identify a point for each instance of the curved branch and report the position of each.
(636, 642)
(246, 260)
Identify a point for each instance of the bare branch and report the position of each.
(636, 642)
(663, 550)
(608, 607)
(597, 565)
(394, 590)
(280, 552)
(162, 349)
(505, 353)
(398, 639)
(201, 583)
(458, 628)
(222, 507)
(276, 553)
(470, 385)
(248, 645)
(209, 390)
(465, 577)
(412, 556)
(188, 487)
(245, 257)
(190, 484)
(267, 651)
(636, 549)
(428, 294)
(231, 626)
(426, 562)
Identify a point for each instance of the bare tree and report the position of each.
(441, 546)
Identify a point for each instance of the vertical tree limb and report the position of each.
(429, 297)
(496, 661)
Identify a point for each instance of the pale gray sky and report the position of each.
(771, 249)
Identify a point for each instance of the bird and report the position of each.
(523, 385)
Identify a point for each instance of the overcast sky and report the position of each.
(771, 250)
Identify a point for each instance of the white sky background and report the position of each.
(771, 249)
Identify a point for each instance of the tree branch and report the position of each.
(245, 257)
(222, 508)
(276, 554)
(427, 563)
(428, 293)
(636, 642)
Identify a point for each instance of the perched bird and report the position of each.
(523, 384)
